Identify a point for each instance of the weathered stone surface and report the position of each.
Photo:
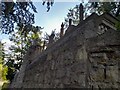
(80, 59)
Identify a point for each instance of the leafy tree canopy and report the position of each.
(19, 12)
(16, 12)
(110, 7)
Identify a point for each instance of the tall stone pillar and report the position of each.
(70, 22)
(81, 12)
(51, 38)
(62, 30)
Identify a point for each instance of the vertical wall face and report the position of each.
(63, 67)
(103, 60)
(103, 67)
(81, 59)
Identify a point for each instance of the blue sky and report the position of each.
(52, 20)
(49, 20)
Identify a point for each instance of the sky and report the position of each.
(49, 20)
(52, 20)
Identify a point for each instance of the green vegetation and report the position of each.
(5, 86)
(97, 7)
(18, 13)
(3, 68)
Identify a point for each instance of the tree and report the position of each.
(3, 68)
(18, 13)
(110, 7)
(1, 59)
(2, 55)
(97, 7)
(74, 14)
(22, 41)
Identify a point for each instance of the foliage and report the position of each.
(3, 68)
(2, 54)
(110, 7)
(73, 13)
(98, 7)
(4, 72)
(10, 74)
(22, 40)
(47, 36)
(49, 3)
(5, 86)
(0, 71)
(19, 13)
(22, 15)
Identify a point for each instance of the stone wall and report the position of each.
(104, 60)
(80, 59)
(59, 66)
